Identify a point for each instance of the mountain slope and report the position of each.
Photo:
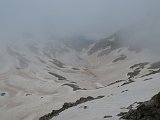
(37, 77)
(116, 100)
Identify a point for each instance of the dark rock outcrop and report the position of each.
(151, 72)
(2, 94)
(75, 87)
(127, 82)
(58, 76)
(136, 69)
(105, 43)
(66, 106)
(107, 116)
(75, 68)
(139, 65)
(133, 74)
(155, 65)
(149, 110)
(58, 63)
(118, 81)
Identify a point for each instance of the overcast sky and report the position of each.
(61, 18)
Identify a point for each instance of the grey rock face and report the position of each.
(149, 110)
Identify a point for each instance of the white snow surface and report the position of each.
(114, 101)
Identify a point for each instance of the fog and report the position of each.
(93, 19)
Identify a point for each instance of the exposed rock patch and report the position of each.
(2, 94)
(118, 81)
(127, 82)
(84, 107)
(75, 68)
(149, 110)
(122, 57)
(75, 87)
(107, 116)
(111, 42)
(58, 76)
(147, 79)
(139, 65)
(132, 106)
(136, 69)
(152, 72)
(124, 91)
(28, 94)
(133, 74)
(58, 63)
(155, 65)
(66, 106)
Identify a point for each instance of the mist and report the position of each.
(93, 19)
(144, 33)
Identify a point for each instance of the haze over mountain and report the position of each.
(74, 60)
(93, 19)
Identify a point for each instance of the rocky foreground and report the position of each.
(149, 110)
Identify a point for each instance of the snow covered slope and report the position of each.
(37, 77)
(117, 99)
